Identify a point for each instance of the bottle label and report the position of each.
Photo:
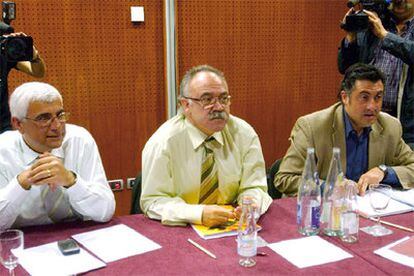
(316, 214)
(247, 246)
(326, 211)
(336, 218)
(349, 223)
(298, 214)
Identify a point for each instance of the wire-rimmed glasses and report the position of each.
(45, 120)
(207, 101)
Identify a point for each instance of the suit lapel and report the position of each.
(338, 135)
(376, 146)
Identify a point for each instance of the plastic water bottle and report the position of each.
(349, 215)
(333, 194)
(247, 234)
(309, 198)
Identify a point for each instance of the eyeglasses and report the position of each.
(208, 100)
(45, 120)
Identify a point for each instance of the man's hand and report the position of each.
(373, 176)
(49, 169)
(376, 25)
(23, 179)
(214, 215)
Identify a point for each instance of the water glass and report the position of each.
(11, 241)
(379, 197)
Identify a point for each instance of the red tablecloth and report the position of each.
(178, 257)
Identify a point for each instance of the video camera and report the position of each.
(13, 48)
(358, 21)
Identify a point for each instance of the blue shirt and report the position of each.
(357, 154)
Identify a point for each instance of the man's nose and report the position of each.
(55, 124)
(217, 105)
(374, 104)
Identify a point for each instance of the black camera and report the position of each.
(13, 48)
(358, 21)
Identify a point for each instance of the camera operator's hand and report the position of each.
(376, 25)
(15, 34)
(36, 67)
(350, 36)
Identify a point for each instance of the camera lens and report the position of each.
(17, 48)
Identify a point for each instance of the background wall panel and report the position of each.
(110, 72)
(279, 58)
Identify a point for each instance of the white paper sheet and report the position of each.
(115, 242)
(406, 196)
(48, 260)
(301, 252)
(394, 207)
(394, 256)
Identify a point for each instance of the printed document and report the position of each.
(393, 208)
(115, 242)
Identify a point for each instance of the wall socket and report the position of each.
(116, 184)
(130, 183)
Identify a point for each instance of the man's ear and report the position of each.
(185, 104)
(344, 97)
(17, 124)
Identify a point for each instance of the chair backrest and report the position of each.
(271, 189)
(136, 196)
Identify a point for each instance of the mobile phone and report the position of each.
(68, 247)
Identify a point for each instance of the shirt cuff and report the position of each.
(195, 214)
(78, 190)
(391, 178)
(15, 191)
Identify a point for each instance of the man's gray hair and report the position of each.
(29, 92)
(189, 75)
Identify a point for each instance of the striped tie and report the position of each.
(209, 177)
(57, 204)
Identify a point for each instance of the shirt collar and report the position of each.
(349, 128)
(197, 137)
(408, 23)
(29, 155)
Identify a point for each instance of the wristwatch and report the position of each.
(384, 169)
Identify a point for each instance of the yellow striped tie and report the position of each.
(209, 176)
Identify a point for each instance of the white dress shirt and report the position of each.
(90, 196)
(171, 168)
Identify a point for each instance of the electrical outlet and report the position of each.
(130, 183)
(116, 185)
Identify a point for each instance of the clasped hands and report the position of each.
(46, 170)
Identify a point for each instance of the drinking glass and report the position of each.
(379, 197)
(10, 242)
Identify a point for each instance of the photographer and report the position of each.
(391, 49)
(35, 68)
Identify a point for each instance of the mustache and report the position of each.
(218, 115)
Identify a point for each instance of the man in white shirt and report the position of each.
(202, 158)
(50, 171)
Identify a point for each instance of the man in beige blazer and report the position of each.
(372, 150)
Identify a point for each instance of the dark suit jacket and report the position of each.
(325, 129)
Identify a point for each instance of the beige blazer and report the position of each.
(324, 130)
